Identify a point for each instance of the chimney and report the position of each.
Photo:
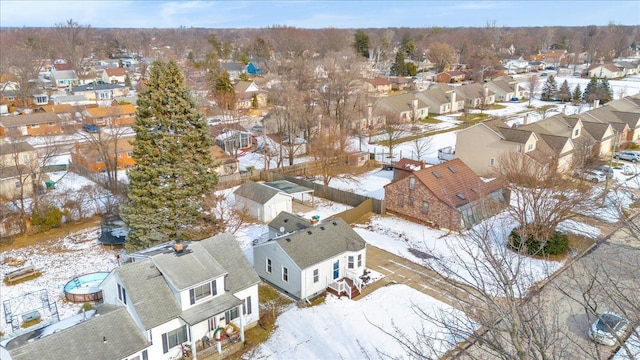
(596, 103)
(565, 111)
(454, 106)
(422, 164)
(486, 92)
(177, 247)
(527, 119)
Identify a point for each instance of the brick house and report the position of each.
(33, 124)
(114, 76)
(116, 115)
(448, 196)
(89, 157)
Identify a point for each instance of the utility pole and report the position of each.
(606, 178)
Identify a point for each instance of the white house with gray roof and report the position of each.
(305, 262)
(261, 202)
(194, 292)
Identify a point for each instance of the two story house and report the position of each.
(204, 294)
(18, 169)
(441, 99)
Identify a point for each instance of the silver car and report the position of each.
(608, 328)
(628, 156)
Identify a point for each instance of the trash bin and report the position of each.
(50, 184)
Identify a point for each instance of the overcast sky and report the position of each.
(317, 14)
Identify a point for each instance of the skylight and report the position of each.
(452, 169)
(436, 174)
(461, 196)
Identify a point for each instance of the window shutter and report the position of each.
(214, 289)
(119, 292)
(248, 304)
(124, 296)
(145, 355)
(165, 344)
(192, 296)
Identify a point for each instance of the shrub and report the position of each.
(48, 219)
(86, 307)
(557, 244)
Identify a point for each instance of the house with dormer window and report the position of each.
(204, 294)
(446, 196)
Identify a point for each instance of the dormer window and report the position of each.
(576, 132)
(203, 291)
(529, 147)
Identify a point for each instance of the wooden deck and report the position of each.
(354, 289)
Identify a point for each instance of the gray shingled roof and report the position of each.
(555, 142)
(193, 266)
(86, 340)
(597, 130)
(9, 172)
(403, 102)
(316, 244)
(149, 293)
(96, 87)
(28, 119)
(224, 247)
(289, 222)
(207, 309)
(256, 191)
(16, 147)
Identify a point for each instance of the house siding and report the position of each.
(476, 146)
(325, 272)
(279, 259)
(439, 215)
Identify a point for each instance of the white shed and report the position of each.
(262, 202)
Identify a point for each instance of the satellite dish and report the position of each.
(281, 229)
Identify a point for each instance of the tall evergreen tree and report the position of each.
(549, 89)
(605, 94)
(399, 68)
(174, 168)
(361, 43)
(591, 91)
(564, 93)
(577, 95)
(224, 92)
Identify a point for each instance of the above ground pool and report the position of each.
(85, 288)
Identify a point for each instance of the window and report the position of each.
(316, 275)
(412, 183)
(350, 262)
(400, 200)
(425, 207)
(35, 126)
(200, 292)
(212, 323)
(246, 306)
(230, 315)
(518, 148)
(145, 355)
(122, 295)
(174, 338)
(18, 184)
(51, 123)
(285, 274)
(436, 174)
(576, 132)
(268, 266)
(492, 162)
(410, 200)
(529, 147)
(359, 260)
(336, 269)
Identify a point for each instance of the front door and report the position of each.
(336, 269)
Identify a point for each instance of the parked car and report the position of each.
(628, 156)
(256, 128)
(628, 170)
(543, 74)
(90, 128)
(607, 170)
(608, 328)
(591, 175)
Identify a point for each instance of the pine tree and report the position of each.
(605, 94)
(361, 43)
(549, 89)
(224, 92)
(591, 91)
(564, 93)
(399, 68)
(174, 168)
(577, 95)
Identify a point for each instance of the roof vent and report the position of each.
(334, 223)
(288, 239)
(309, 232)
(285, 220)
(321, 227)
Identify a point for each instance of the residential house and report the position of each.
(625, 124)
(246, 92)
(114, 75)
(185, 292)
(261, 202)
(556, 57)
(225, 163)
(475, 95)
(19, 169)
(482, 146)
(446, 196)
(32, 124)
(505, 88)
(35, 97)
(400, 83)
(441, 99)
(114, 115)
(234, 68)
(306, 262)
(609, 70)
(517, 66)
(537, 65)
(92, 156)
(380, 85)
(405, 167)
(64, 79)
(285, 223)
(453, 76)
(627, 67)
(252, 69)
(98, 92)
(406, 107)
(284, 145)
(111, 329)
(66, 112)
